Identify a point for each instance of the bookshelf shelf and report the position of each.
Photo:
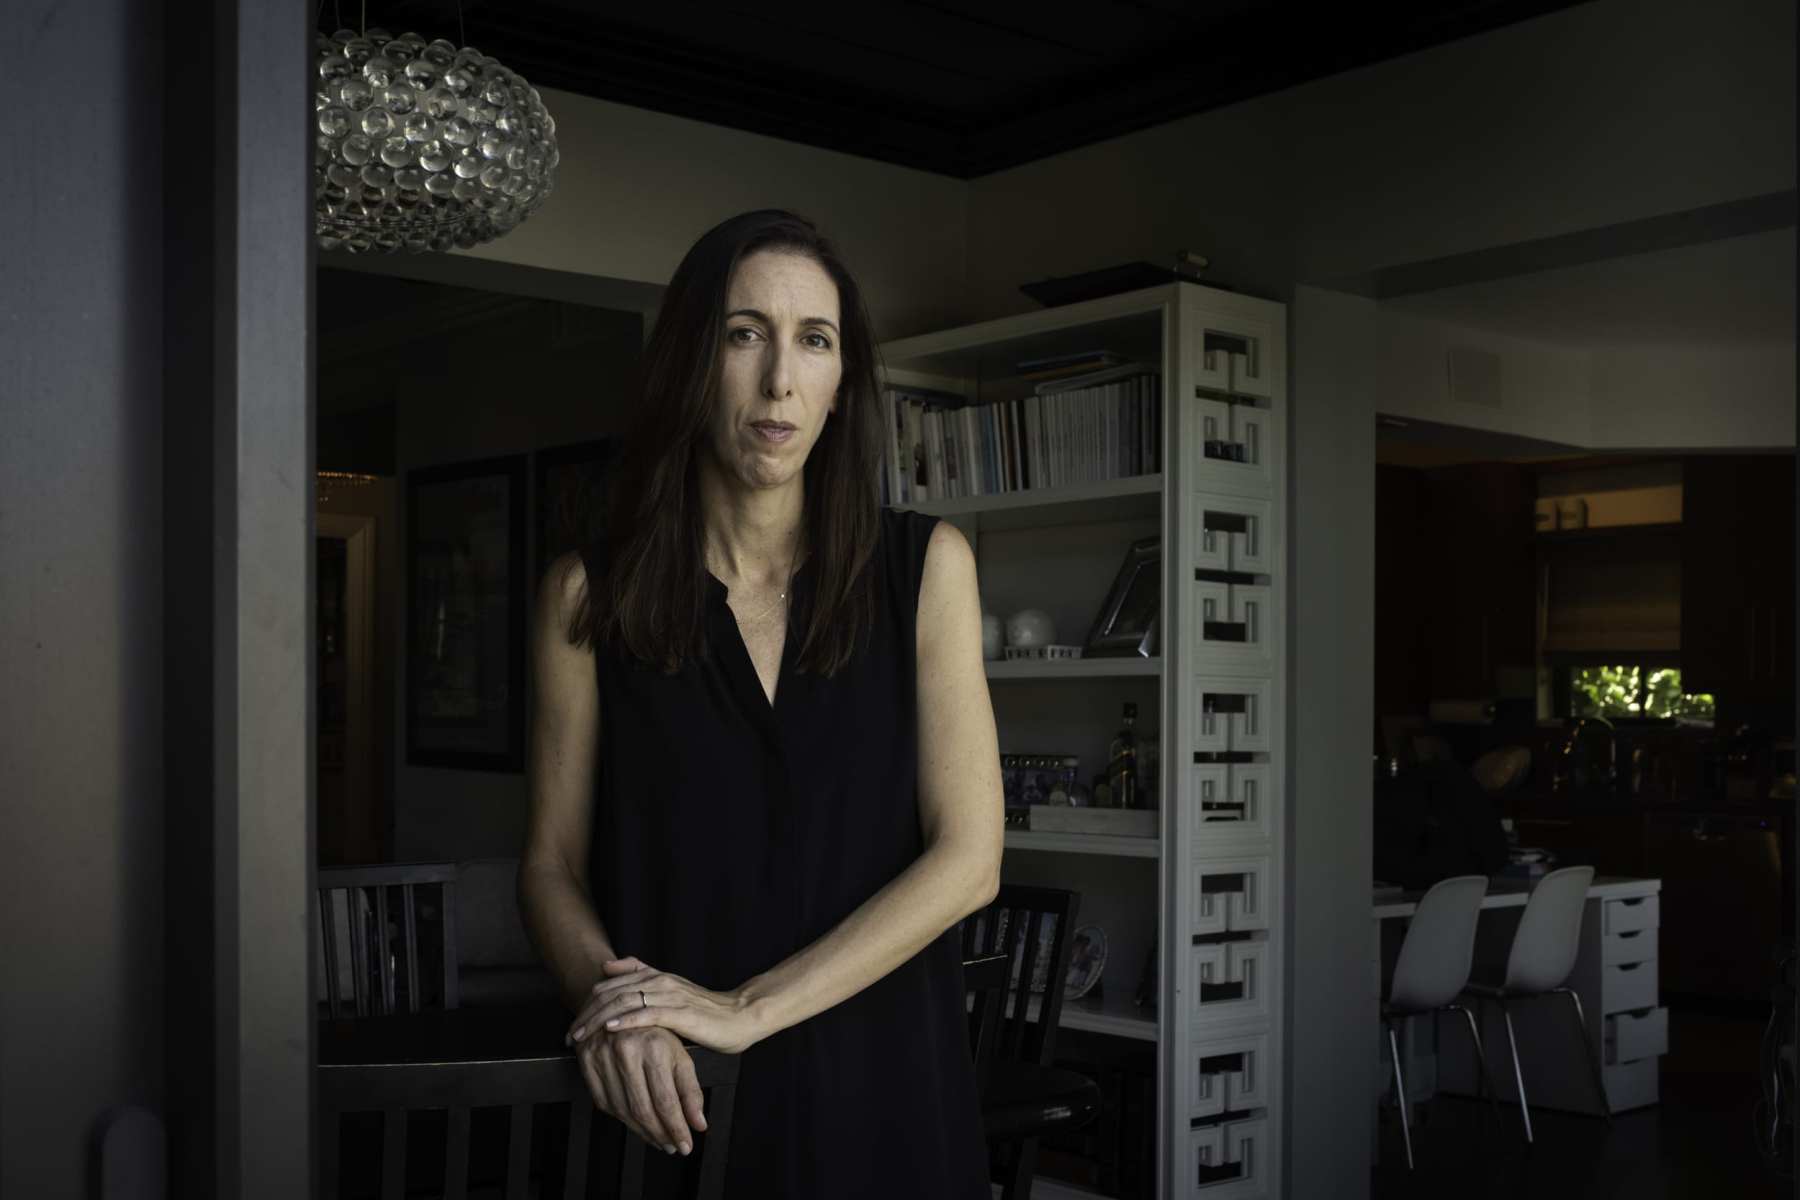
(1084, 843)
(1113, 500)
(1073, 668)
(1108, 1014)
(1116, 1015)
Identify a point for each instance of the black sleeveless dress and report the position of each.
(729, 834)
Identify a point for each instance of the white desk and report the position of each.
(1615, 976)
(1512, 893)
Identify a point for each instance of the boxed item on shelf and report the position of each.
(1118, 822)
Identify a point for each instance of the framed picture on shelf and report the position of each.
(571, 497)
(1128, 620)
(465, 618)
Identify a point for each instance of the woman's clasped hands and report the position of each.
(628, 1040)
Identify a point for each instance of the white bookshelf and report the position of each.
(1204, 896)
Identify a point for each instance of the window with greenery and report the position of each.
(1634, 691)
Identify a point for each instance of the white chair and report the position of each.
(1433, 970)
(1539, 963)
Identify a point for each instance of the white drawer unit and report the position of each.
(1231, 627)
(1634, 946)
(1230, 1075)
(1230, 805)
(1629, 1036)
(1228, 1160)
(1232, 714)
(1230, 982)
(1628, 914)
(1230, 896)
(1232, 533)
(1625, 986)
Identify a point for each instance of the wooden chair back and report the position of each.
(379, 948)
(1024, 926)
(521, 1086)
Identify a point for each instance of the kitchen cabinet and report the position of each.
(1478, 573)
(1737, 578)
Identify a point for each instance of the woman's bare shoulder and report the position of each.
(562, 591)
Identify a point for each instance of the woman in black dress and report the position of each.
(764, 777)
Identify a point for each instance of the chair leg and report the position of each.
(1020, 1170)
(1400, 1093)
(1592, 1055)
(1518, 1075)
(1481, 1069)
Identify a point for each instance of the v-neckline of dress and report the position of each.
(769, 705)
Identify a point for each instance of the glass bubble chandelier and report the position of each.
(422, 146)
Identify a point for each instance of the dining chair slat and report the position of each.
(581, 1121)
(1013, 1041)
(384, 960)
(412, 947)
(329, 1138)
(631, 1173)
(334, 995)
(712, 1159)
(518, 1153)
(359, 955)
(447, 905)
(456, 1154)
(393, 1155)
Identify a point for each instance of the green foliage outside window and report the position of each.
(1634, 692)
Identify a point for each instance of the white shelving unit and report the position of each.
(1205, 895)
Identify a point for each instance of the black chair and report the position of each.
(379, 951)
(520, 1085)
(1023, 1096)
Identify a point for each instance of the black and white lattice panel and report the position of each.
(1233, 714)
(1230, 1076)
(1232, 626)
(1237, 436)
(1236, 535)
(1233, 805)
(1230, 1159)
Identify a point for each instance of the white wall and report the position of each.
(1601, 113)
(1673, 396)
(636, 188)
(1543, 389)
(530, 398)
(1332, 1031)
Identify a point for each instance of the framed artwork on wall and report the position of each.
(571, 497)
(465, 620)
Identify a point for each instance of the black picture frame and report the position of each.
(465, 618)
(1129, 619)
(571, 485)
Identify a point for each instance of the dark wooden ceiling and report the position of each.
(957, 87)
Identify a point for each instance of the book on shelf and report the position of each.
(943, 447)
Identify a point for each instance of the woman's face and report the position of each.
(779, 368)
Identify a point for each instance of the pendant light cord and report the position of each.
(337, 13)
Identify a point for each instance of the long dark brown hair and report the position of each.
(652, 603)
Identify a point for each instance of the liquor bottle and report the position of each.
(1121, 766)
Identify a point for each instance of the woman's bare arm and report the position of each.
(554, 899)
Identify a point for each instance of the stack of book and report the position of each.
(1088, 418)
